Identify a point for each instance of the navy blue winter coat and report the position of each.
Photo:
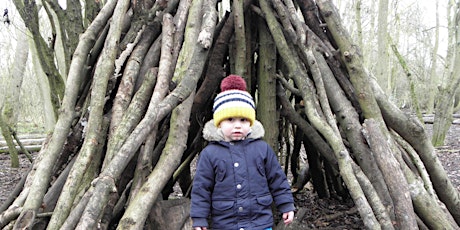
(236, 182)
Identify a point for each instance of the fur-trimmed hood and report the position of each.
(213, 133)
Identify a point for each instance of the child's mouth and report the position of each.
(237, 134)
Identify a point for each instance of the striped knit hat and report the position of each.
(233, 101)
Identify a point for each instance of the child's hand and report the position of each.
(288, 217)
(201, 228)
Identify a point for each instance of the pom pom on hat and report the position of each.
(233, 82)
(233, 101)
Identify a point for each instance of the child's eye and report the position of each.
(230, 119)
(243, 119)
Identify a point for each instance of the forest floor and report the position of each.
(314, 213)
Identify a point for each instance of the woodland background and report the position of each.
(409, 47)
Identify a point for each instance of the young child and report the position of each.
(238, 175)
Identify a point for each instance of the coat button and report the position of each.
(236, 164)
(240, 209)
(238, 186)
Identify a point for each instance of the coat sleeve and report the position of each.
(278, 183)
(202, 190)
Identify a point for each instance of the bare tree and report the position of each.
(447, 90)
(383, 73)
(140, 86)
(434, 66)
(10, 107)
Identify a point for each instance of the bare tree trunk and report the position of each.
(383, 74)
(445, 98)
(434, 77)
(412, 83)
(11, 106)
(29, 13)
(267, 85)
(141, 87)
(8, 136)
(393, 175)
(240, 39)
(43, 85)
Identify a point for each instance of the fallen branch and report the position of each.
(30, 148)
(429, 119)
(33, 141)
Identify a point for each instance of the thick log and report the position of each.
(429, 119)
(392, 173)
(412, 131)
(148, 131)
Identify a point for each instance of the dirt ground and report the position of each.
(315, 213)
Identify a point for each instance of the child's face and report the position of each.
(235, 128)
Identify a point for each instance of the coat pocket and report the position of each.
(265, 200)
(222, 205)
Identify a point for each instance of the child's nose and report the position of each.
(237, 124)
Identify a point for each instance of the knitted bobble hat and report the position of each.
(233, 101)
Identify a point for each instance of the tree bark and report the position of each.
(44, 88)
(138, 209)
(348, 117)
(392, 174)
(141, 87)
(412, 131)
(434, 77)
(267, 85)
(8, 136)
(240, 39)
(383, 75)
